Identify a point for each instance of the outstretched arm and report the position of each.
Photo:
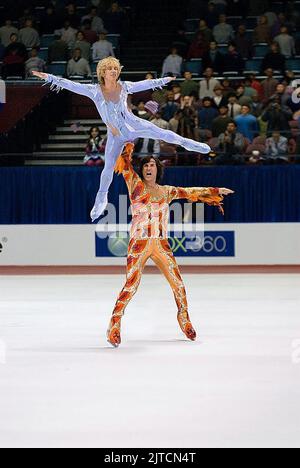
(210, 195)
(124, 167)
(147, 84)
(57, 84)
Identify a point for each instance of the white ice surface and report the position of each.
(61, 385)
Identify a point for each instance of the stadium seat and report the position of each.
(223, 48)
(193, 66)
(43, 54)
(252, 22)
(114, 39)
(253, 65)
(57, 68)
(235, 21)
(293, 64)
(47, 40)
(261, 50)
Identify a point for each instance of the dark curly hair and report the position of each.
(159, 165)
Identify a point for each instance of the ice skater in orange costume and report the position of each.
(149, 235)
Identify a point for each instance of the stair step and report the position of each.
(84, 129)
(63, 146)
(50, 162)
(63, 138)
(84, 122)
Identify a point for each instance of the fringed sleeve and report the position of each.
(139, 86)
(57, 84)
(124, 166)
(209, 195)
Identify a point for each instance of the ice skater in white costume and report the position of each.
(110, 96)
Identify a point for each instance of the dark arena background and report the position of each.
(236, 88)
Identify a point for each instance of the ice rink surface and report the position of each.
(61, 385)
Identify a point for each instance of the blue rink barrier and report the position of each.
(65, 195)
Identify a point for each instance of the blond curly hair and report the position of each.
(104, 64)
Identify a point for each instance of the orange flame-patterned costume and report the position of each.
(149, 239)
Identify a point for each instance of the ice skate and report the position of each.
(114, 331)
(100, 205)
(186, 326)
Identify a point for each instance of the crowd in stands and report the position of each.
(60, 32)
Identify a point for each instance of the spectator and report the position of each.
(175, 122)
(94, 149)
(234, 107)
(114, 19)
(6, 31)
(211, 17)
(34, 63)
(189, 87)
(78, 66)
(142, 112)
(169, 109)
(172, 64)
(144, 96)
(198, 47)
(228, 89)
(282, 20)
(232, 145)
(243, 99)
(207, 114)
(249, 90)
(220, 124)
(277, 116)
(281, 94)
(244, 45)
(286, 43)
(71, 16)
(257, 106)
(274, 59)
(14, 58)
(205, 31)
(262, 32)
(89, 35)
(27, 15)
(68, 34)
(189, 119)
(83, 45)
(223, 32)
(102, 48)
(208, 85)
(94, 20)
(269, 85)
(49, 21)
(176, 89)
(277, 147)
(256, 85)
(213, 58)
(146, 146)
(58, 50)
(233, 61)
(181, 42)
(247, 124)
(29, 36)
(218, 98)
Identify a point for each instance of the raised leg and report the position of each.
(149, 130)
(138, 255)
(166, 262)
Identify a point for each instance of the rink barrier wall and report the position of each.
(264, 244)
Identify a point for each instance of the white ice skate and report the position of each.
(100, 205)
